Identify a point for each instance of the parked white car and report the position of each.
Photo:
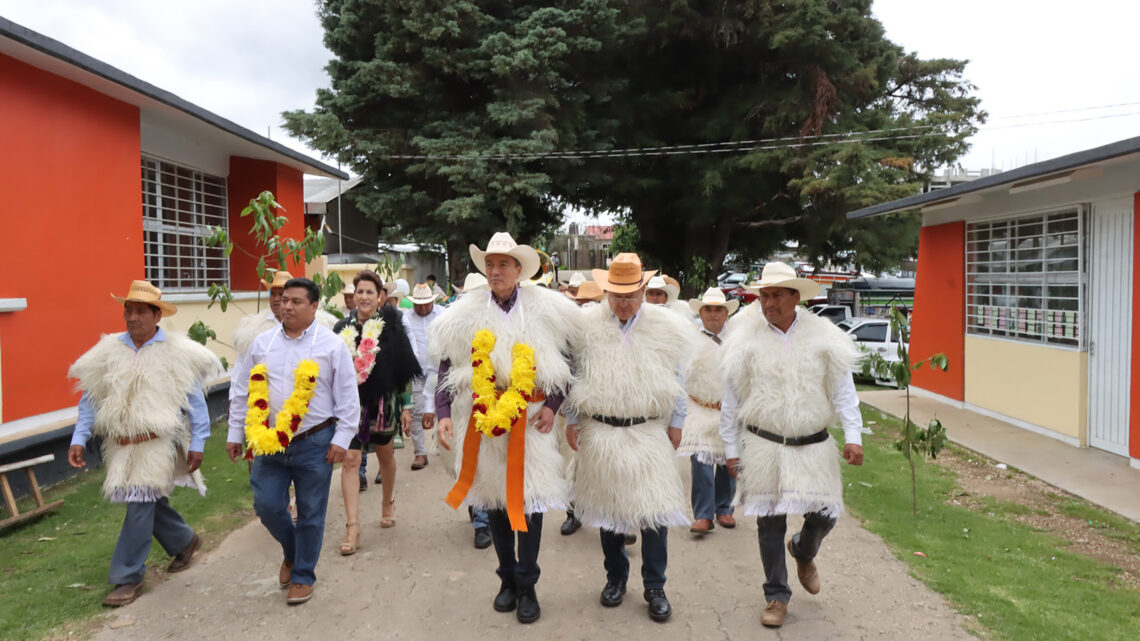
(833, 313)
(873, 335)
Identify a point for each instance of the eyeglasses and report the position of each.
(626, 299)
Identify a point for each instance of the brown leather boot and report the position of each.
(123, 594)
(773, 616)
(285, 574)
(299, 593)
(809, 576)
(701, 526)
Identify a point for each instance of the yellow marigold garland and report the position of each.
(262, 438)
(495, 413)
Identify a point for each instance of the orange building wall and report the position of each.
(1134, 407)
(248, 178)
(939, 317)
(72, 202)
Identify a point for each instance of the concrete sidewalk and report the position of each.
(1103, 478)
(423, 580)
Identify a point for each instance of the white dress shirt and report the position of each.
(336, 394)
(843, 399)
(417, 328)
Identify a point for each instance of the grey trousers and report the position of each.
(418, 446)
(142, 522)
(805, 545)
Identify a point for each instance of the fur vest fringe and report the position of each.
(625, 478)
(704, 383)
(248, 329)
(784, 385)
(545, 320)
(139, 393)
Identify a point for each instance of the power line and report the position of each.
(759, 144)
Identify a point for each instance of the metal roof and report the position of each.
(1021, 174)
(57, 50)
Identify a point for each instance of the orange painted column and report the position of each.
(249, 177)
(1134, 406)
(70, 175)
(939, 318)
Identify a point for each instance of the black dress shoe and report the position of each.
(482, 538)
(363, 482)
(507, 598)
(570, 525)
(630, 539)
(659, 608)
(379, 478)
(613, 593)
(528, 610)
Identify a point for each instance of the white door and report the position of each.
(1110, 325)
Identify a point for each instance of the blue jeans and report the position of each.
(142, 522)
(712, 489)
(479, 518)
(303, 465)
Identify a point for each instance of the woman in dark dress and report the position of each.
(385, 366)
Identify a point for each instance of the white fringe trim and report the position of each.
(790, 505)
(675, 518)
(708, 458)
(135, 494)
(534, 506)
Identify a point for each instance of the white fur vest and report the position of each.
(546, 321)
(625, 477)
(139, 393)
(249, 327)
(784, 384)
(704, 383)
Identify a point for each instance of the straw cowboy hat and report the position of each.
(672, 291)
(624, 275)
(280, 277)
(473, 281)
(589, 290)
(502, 243)
(781, 275)
(713, 296)
(143, 292)
(422, 294)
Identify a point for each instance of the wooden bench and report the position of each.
(15, 516)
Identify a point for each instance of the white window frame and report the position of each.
(1038, 322)
(175, 219)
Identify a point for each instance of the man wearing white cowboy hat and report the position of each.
(787, 379)
(348, 292)
(142, 393)
(624, 419)
(510, 463)
(576, 280)
(713, 488)
(417, 321)
(664, 290)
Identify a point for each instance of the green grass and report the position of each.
(1110, 524)
(54, 569)
(1020, 583)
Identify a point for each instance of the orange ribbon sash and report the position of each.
(516, 458)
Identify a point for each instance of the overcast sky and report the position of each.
(249, 60)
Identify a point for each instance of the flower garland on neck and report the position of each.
(265, 439)
(364, 353)
(494, 413)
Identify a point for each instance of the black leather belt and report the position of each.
(810, 439)
(328, 422)
(620, 422)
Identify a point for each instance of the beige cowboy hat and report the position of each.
(671, 290)
(624, 275)
(589, 290)
(422, 294)
(142, 291)
(781, 275)
(713, 296)
(502, 243)
(472, 282)
(280, 277)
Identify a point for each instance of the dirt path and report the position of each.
(424, 580)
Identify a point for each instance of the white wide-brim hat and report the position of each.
(714, 296)
(502, 243)
(474, 281)
(672, 291)
(423, 294)
(577, 279)
(781, 275)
